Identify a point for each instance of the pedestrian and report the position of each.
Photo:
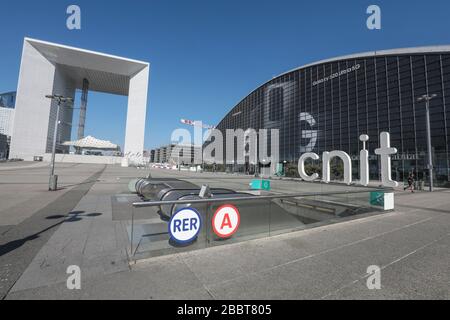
(410, 182)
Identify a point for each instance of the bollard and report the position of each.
(53, 185)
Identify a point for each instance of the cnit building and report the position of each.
(326, 105)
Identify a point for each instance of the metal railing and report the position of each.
(231, 199)
(249, 198)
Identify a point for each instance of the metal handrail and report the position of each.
(249, 198)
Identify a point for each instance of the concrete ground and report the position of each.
(42, 233)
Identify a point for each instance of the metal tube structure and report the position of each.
(250, 198)
(82, 116)
(83, 107)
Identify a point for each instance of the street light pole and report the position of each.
(427, 98)
(202, 156)
(52, 183)
(55, 134)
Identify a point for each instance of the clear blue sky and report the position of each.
(207, 55)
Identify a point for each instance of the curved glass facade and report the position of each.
(326, 106)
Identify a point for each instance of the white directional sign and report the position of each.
(226, 221)
(185, 225)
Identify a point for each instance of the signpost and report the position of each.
(382, 199)
(260, 184)
(185, 225)
(226, 221)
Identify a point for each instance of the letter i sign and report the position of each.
(226, 221)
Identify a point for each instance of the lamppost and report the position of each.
(203, 161)
(53, 180)
(427, 98)
(263, 161)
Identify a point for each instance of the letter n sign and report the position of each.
(226, 221)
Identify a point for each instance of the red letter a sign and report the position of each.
(226, 221)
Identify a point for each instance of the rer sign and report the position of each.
(226, 221)
(185, 225)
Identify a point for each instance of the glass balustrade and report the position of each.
(259, 217)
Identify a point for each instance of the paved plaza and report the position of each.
(42, 233)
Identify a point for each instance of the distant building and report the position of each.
(161, 154)
(166, 151)
(185, 154)
(175, 154)
(6, 121)
(8, 100)
(158, 155)
(152, 156)
(7, 111)
(4, 146)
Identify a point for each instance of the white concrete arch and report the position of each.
(49, 68)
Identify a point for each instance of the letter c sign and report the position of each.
(226, 221)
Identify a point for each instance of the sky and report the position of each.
(207, 55)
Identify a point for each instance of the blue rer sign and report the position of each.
(185, 225)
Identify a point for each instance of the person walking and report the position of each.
(410, 183)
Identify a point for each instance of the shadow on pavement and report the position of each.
(63, 187)
(71, 217)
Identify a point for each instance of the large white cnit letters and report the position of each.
(385, 151)
(364, 161)
(326, 158)
(301, 166)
